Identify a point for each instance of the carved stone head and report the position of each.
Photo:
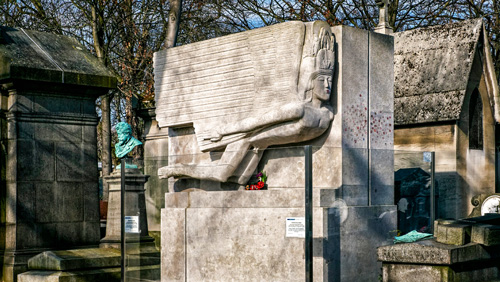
(320, 64)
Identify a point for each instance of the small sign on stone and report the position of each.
(427, 157)
(296, 227)
(132, 224)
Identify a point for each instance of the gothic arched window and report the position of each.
(476, 121)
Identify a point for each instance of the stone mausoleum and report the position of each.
(446, 100)
(48, 153)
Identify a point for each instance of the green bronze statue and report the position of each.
(126, 142)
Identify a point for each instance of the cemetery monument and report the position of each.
(246, 102)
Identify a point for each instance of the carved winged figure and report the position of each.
(302, 119)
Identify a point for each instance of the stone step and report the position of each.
(142, 273)
(81, 259)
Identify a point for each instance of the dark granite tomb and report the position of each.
(49, 187)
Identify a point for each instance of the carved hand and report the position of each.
(216, 137)
(213, 136)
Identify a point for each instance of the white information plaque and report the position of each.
(132, 224)
(296, 227)
(427, 157)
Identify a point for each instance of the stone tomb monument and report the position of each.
(140, 257)
(48, 153)
(226, 101)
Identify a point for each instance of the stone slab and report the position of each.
(78, 259)
(432, 252)
(277, 198)
(147, 273)
(75, 259)
(485, 234)
(173, 255)
(489, 218)
(255, 249)
(420, 273)
(194, 239)
(438, 222)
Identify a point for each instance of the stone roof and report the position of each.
(431, 71)
(41, 56)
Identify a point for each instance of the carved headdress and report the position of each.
(325, 58)
(318, 59)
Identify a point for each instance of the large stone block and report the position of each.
(173, 255)
(59, 202)
(373, 225)
(26, 202)
(36, 160)
(454, 234)
(102, 264)
(68, 170)
(433, 252)
(58, 132)
(150, 272)
(431, 273)
(433, 261)
(250, 250)
(355, 195)
(485, 234)
(90, 212)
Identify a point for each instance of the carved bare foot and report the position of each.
(169, 171)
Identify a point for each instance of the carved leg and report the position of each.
(232, 157)
(250, 167)
(215, 173)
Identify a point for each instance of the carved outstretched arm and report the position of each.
(288, 112)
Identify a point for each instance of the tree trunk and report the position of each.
(174, 18)
(98, 36)
(106, 142)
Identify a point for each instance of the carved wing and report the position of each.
(227, 79)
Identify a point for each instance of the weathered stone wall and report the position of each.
(208, 245)
(49, 84)
(435, 77)
(155, 143)
(52, 193)
(476, 166)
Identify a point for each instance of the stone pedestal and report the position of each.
(135, 205)
(49, 185)
(241, 236)
(432, 261)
